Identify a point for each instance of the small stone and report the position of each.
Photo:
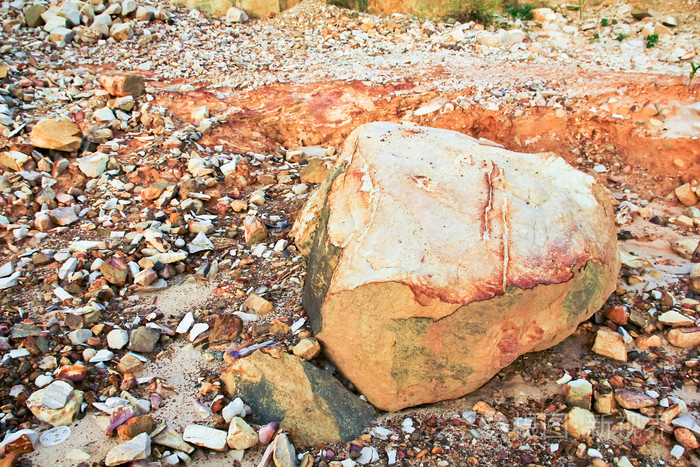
(123, 85)
(57, 394)
(258, 305)
(675, 319)
(637, 420)
(629, 399)
(63, 216)
(236, 15)
(57, 135)
(241, 435)
(102, 355)
(79, 336)
(686, 438)
(117, 338)
(115, 270)
(144, 13)
(684, 337)
(172, 439)
(610, 344)
(647, 341)
(205, 437)
(146, 277)
(7, 269)
(579, 422)
(104, 115)
(604, 403)
(121, 32)
(130, 364)
(197, 329)
(686, 195)
(307, 348)
(32, 15)
(55, 417)
(225, 329)
(15, 160)
(135, 426)
(42, 221)
(239, 205)
(284, 454)
(143, 339)
(234, 409)
(136, 449)
(63, 35)
(93, 165)
(200, 243)
(255, 230)
(579, 393)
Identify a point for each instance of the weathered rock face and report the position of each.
(308, 402)
(420, 8)
(253, 8)
(436, 261)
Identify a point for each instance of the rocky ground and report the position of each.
(146, 235)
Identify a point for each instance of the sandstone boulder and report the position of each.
(58, 135)
(436, 261)
(307, 402)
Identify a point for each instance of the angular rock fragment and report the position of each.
(254, 229)
(56, 417)
(580, 423)
(115, 270)
(241, 435)
(258, 305)
(123, 85)
(129, 451)
(502, 254)
(144, 339)
(684, 337)
(610, 344)
(205, 437)
(307, 402)
(58, 135)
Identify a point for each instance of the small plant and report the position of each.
(581, 6)
(604, 22)
(652, 39)
(621, 37)
(596, 36)
(614, 21)
(694, 69)
(523, 13)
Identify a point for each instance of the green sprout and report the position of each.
(652, 39)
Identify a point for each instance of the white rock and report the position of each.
(102, 355)
(200, 243)
(236, 15)
(42, 380)
(94, 165)
(57, 394)
(205, 437)
(132, 450)
(186, 323)
(104, 114)
(7, 269)
(235, 408)
(198, 329)
(79, 336)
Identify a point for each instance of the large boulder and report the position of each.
(435, 261)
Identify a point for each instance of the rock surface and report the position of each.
(307, 402)
(538, 256)
(58, 135)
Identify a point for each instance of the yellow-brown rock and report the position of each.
(436, 261)
(311, 405)
(59, 135)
